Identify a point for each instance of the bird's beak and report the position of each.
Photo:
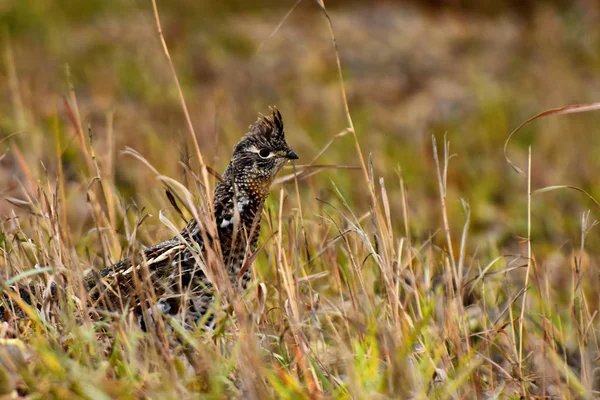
(291, 155)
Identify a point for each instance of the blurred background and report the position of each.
(465, 71)
(470, 70)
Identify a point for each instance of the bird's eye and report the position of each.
(264, 153)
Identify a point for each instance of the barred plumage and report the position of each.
(177, 279)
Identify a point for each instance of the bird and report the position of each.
(176, 268)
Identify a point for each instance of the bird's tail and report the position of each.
(13, 297)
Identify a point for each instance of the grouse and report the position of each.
(177, 268)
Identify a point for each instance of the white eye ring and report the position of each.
(264, 153)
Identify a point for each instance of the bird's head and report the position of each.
(261, 154)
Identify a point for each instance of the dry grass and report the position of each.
(445, 278)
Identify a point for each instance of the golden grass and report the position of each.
(356, 293)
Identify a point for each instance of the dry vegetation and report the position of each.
(426, 270)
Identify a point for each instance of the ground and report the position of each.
(403, 277)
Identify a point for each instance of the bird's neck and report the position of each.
(239, 194)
